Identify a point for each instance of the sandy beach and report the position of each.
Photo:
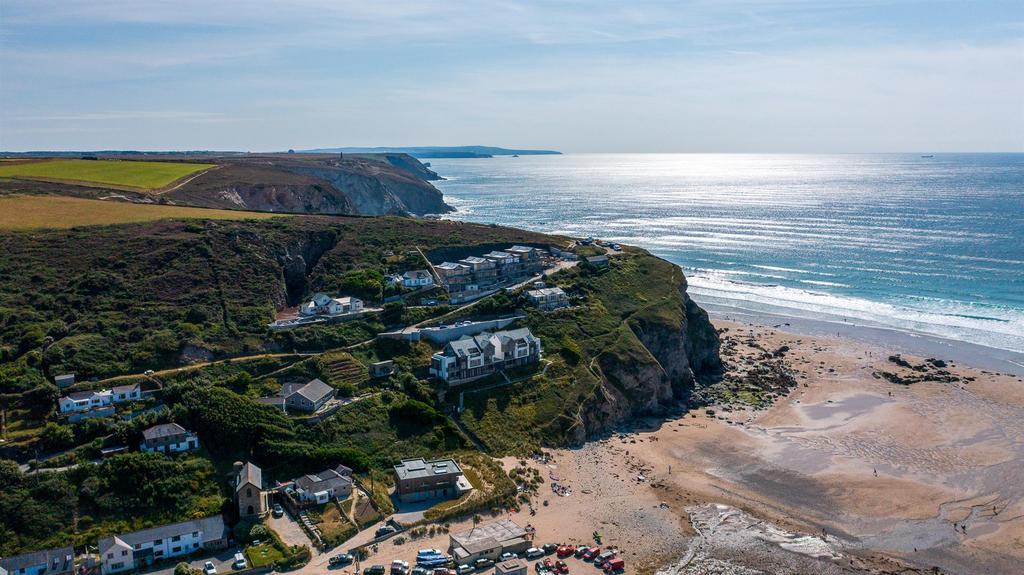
(848, 473)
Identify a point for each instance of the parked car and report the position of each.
(340, 559)
(465, 569)
(374, 570)
(386, 530)
(508, 555)
(614, 565)
(540, 568)
(548, 564)
(420, 571)
(209, 568)
(423, 552)
(483, 563)
(533, 553)
(604, 557)
(399, 567)
(549, 548)
(240, 562)
(561, 567)
(443, 571)
(581, 550)
(591, 553)
(278, 511)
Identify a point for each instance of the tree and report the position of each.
(56, 436)
(183, 569)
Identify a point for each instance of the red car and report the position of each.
(591, 553)
(548, 564)
(561, 567)
(614, 565)
(565, 550)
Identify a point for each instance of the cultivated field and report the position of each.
(38, 212)
(129, 174)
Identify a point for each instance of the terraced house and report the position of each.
(57, 561)
(141, 548)
(492, 270)
(474, 356)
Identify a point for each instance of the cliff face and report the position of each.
(661, 354)
(320, 184)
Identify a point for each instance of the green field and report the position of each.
(131, 174)
(40, 212)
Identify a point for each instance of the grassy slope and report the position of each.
(141, 175)
(18, 213)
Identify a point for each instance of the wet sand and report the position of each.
(848, 473)
(930, 474)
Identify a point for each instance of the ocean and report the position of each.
(922, 246)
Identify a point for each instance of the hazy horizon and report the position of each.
(737, 76)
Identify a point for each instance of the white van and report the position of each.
(239, 561)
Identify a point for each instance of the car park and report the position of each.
(614, 565)
(443, 571)
(507, 555)
(565, 550)
(374, 570)
(419, 571)
(533, 553)
(548, 564)
(600, 559)
(581, 550)
(591, 553)
(549, 548)
(399, 567)
(483, 563)
(465, 569)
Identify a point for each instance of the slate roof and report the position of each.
(328, 479)
(57, 560)
(416, 274)
(127, 388)
(163, 430)
(249, 474)
(315, 390)
(212, 528)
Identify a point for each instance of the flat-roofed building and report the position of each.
(418, 480)
(488, 541)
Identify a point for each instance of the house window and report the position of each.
(176, 549)
(248, 491)
(195, 545)
(195, 534)
(158, 541)
(124, 552)
(110, 555)
(117, 566)
(138, 545)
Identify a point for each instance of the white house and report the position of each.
(323, 304)
(168, 438)
(141, 548)
(85, 400)
(331, 484)
(417, 278)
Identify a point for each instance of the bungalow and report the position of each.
(548, 298)
(328, 485)
(142, 548)
(250, 496)
(417, 278)
(168, 438)
(85, 400)
(488, 541)
(56, 561)
(323, 304)
(418, 480)
(472, 357)
(309, 397)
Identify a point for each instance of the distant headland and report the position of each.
(438, 151)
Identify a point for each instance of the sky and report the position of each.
(816, 76)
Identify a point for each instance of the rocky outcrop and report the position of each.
(665, 354)
(297, 260)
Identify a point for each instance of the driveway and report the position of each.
(222, 560)
(290, 531)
